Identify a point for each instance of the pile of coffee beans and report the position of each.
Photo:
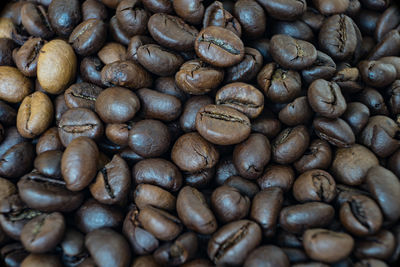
(199, 133)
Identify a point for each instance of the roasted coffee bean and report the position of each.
(26, 57)
(36, 21)
(314, 185)
(379, 246)
(222, 125)
(112, 182)
(281, 176)
(196, 77)
(88, 37)
(217, 15)
(251, 156)
(13, 254)
(265, 209)
(242, 97)
(92, 9)
(79, 163)
(93, 215)
(360, 215)
(231, 244)
(14, 86)
(244, 186)
(158, 6)
(108, 248)
(73, 242)
(356, 115)
(279, 85)
(290, 144)
(252, 18)
(172, 32)
(298, 218)
(17, 160)
(191, 11)
(377, 74)
(284, 10)
(43, 232)
(247, 69)
(42, 259)
(192, 106)
(147, 260)
(296, 29)
(158, 172)
(336, 131)
(49, 140)
(34, 115)
(297, 112)
(147, 194)
(219, 47)
(117, 33)
(194, 211)
(90, 70)
(7, 188)
(64, 16)
(159, 106)
(161, 224)
(48, 194)
(323, 68)
(117, 105)
(82, 95)
(131, 17)
(373, 100)
(292, 53)
(327, 246)
(112, 52)
(267, 256)
(76, 122)
(8, 114)
(48, 163)
(57, 64)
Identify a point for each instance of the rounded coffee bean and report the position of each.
(82, 95)
(251, 156)
(172, 32)
(265, 209)
(231, 244)
(222, 125)
(26, 56)
(159, 106)
(92, 9)
(284, 10)
(48, 194)
(147, 194)
(196, 77)
(247, 69)
(360, 215)
(73, 242)
(112, 52)
(192, 106)
(7, 188)
(267, 256)
(160, 223)
(194, 211)
(131, 17)
(377, 74)
(217, 15)
(56, 66)
(76, 122)
(290, 144)
(34, 115)
(350, 165)
(297, 112)
(219, 47)
(158, 172)
(14, 86)
(326, 99)
(192, 153)
(330, 7)
(159, 60)
(191, 11)
(117, 105)
(17, 160)
(314, 185)
(79, 163)
(43, 232)
(112, 182)
(323, 68)
(356, 115)
(93, 215)
(292, 53)
(242, 97)
(90, 70)
(64, 16)
(229, 204)
(297, 218)
(281, 176)
(244, 186)
(379, 246)
(49, 163)
(108, 248)
(35, 20)
(88, 37)
(335, 131)
(252, 18)
(149, 138)
(385, 189)
(126, 74)
(327, 246)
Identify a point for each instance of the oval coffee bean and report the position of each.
(147, 194)
(14, 86)
(336, 131)
(82, 95)
(314, 185)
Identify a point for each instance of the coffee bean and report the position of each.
(17, 160)
(284, 10)
(26, 57)
(314, 185)
(88, 37)
(356, 115)
(267, 256)
(252, 18)
(14, 86)
(45, 260)
(331, 7)
(281, 176)
(219, 47)
(131, 17)
(217, 15)
(337, 132)
(233, 242)
(323, 68)
(36, 21)
(146, 194)
(297, 112)
(64, 16)
(92, 9)
(244, 186)
(380, 246)
(112, 52)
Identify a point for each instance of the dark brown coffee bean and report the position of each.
(219, 47)
(194, 211)
(149, 138)
(281, 176)
(191, 11)
(48, 141)
(131, 17)
(88, 37)
(356, 115)
(247, 69)
(252, 18)
(298, 218)
(231, 244)
(14, 86)
(36, 21)
(126, 74)
(49, 163)
(117, 105)
(43, 232)
(284, 10)
(265, 209)
(297, 112)
(79, 163)
(26, 56)
(244, 186)
(64, 16)
(222, 125)
(192, 106)
(267, 256)
(147, 194)
(379, 246)
(336, 131)
(8, 114)
(172, 32)
(377, 74)
(330, 7)
(158, 172)
(92, 9)
(327, 246)
(108, 248)
(217, 15)
(242, 97)
(90, 70)
(112, 182)
(323, 68)
(82, 95)
(292, 53)
(17, 160)
(314, 185)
